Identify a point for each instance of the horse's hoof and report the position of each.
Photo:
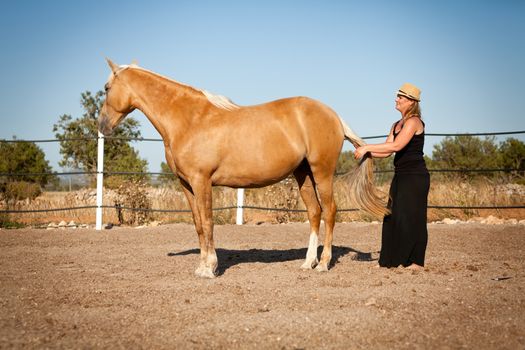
(204, 273)
(308, 265)
(322, 268)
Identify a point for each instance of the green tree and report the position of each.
(466, 152)
(78, 153)
(512, 154)
(24, 157)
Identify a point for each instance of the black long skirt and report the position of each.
(405, 235)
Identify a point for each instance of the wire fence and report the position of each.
(252, 207)
(91, 138)
(131, 173)
(141, 139)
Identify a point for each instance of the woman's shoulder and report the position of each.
(414, 121)
(417, 124)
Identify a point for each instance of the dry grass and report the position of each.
(456, 192)
(478, 192)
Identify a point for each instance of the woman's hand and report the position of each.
(360, 152)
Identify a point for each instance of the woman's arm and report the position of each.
(407, 132)
(389, 138)
(381, 155)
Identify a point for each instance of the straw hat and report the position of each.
(410, 91)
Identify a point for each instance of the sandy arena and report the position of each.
(134, 288)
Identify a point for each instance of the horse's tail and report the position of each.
(361, 180)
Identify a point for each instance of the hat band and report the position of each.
(408, 95)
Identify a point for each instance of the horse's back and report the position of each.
(319, 126)
(259, 145)
(295, 127)
(301, 115)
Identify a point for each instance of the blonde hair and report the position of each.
(414, 111)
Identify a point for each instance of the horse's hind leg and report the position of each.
(325, 189)
(304, 178)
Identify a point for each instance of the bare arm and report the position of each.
(380, 155)
(407, 132)
(389, 138)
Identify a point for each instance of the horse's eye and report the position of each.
(106, 87)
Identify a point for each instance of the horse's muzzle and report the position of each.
(104, 126)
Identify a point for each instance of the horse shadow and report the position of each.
(231, 257)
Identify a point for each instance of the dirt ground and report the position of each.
(134, 288)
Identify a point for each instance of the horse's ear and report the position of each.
(113, 66)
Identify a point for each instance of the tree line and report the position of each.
(461, 153)
(458, 152)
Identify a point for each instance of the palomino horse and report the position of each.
(210, 141)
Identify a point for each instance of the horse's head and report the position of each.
(118, 100)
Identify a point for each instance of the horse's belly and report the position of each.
(247, 182)
(251, 173)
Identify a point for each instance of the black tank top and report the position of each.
(409, 160)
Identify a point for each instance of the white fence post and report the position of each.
(240, 203)
(100, 179)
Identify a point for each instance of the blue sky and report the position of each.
(466, 56)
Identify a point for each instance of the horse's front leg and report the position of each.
(203, 209)
(188, 191)
(190, 196)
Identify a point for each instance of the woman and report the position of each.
(404, 236)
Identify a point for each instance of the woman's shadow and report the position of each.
(230, 257)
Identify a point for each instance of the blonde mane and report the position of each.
(218, 101)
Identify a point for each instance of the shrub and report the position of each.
(133, 194)
(19, 190)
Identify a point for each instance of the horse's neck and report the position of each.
(167, 104)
